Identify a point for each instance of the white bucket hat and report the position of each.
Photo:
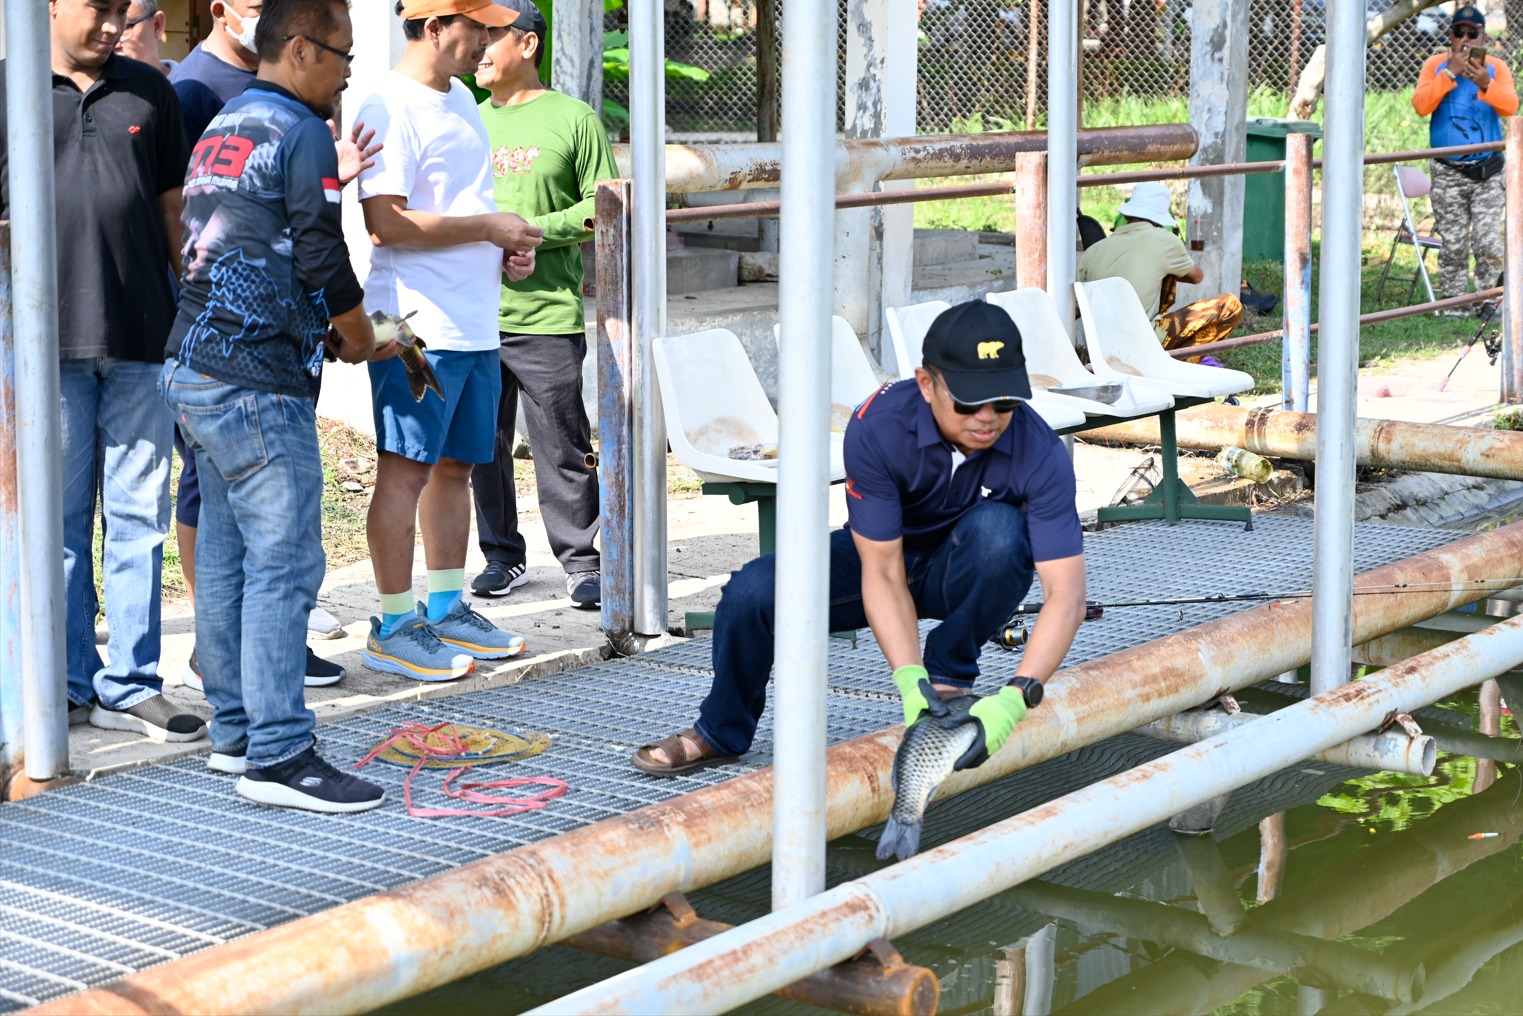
(1150, 201)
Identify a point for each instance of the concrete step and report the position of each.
(944, 246)
(725, 234)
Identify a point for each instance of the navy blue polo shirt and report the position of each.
(117, 146)
(900, 480)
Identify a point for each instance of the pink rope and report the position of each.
(416, 735)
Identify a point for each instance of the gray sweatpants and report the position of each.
(547, 369)
(1469, 215)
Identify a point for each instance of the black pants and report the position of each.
(548, 370)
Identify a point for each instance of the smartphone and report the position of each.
(1478, 54)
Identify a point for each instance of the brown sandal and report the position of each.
(679, 757)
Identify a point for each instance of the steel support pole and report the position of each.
(1338, 349)
(1031, 220)
(1512, 295)
(1062, 155)
(615, 408)
(803, 482)
(34, 317)
(11, 710)
(768, 953)
(1295, 356)
(647, 135)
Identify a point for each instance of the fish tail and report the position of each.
(899, 839)
(427, 380)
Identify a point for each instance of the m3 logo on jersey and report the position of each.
(219, 155)
(989, 350)
(514, 160)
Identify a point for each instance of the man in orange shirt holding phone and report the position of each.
(1467, 93)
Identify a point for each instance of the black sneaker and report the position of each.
(229, 760)
(321, 673)
(585, 589)
(311, 784)
(499, 579)
(155, 717)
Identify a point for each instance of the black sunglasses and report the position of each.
(1465, 33)
(1000, 406)
(348, 58)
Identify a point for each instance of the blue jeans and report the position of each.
(259, 557)
(116, 439)
(971, 582)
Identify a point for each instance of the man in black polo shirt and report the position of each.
(956, 493)
(119, 157)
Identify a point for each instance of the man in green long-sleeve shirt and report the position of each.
(548, 153)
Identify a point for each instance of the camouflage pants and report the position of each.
(1469, 215)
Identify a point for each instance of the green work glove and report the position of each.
(917, 694)
(996, 716)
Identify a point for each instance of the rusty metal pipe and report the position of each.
(736, 167)
(1031, 220)
(878, 983)
(457, 923)
(1428, 447)
(1392, 752)
(1295, 358)
(731, 969)
(615, 353)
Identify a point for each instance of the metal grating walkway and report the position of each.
(110, 877)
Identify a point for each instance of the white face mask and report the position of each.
(245, 38)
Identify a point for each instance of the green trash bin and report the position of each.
(1264, 193)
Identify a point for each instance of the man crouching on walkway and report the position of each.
(956, 492)
(266, 273)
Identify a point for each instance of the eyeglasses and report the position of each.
(347, 57)
(129, 26)
(1001, 406)
(1465, 33)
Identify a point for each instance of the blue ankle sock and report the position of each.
(396, 608)
(444, 585)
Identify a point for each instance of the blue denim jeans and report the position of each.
(116, 439)
(971, 582)
(259, 557)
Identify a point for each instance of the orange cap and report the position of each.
(483, 12)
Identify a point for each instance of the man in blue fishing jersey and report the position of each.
(267, 275)
(956, 494)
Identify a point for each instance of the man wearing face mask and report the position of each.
(219, 68)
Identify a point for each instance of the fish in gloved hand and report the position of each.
(420, 376)
(928, 753)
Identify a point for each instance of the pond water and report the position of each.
(1321, 889)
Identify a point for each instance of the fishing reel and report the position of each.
(1015, 633)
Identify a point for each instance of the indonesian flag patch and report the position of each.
(330, 190)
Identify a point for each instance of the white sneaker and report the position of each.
(323, 625)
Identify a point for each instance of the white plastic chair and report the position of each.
(852, 377)
(906, 329)
(1122, 344)
(1411, 182)
(713, 402)
(1052, 363)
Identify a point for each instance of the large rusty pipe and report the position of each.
(731, 969)
(1031, 220)
(1428, 447)
(454, 924)
(734, 167)
(1393, 751)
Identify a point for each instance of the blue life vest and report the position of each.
(1464, 118)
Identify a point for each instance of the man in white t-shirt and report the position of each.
(441, 249)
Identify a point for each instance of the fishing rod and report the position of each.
(1492, 344)
(1014, 633)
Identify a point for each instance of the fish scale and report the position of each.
(925, 758)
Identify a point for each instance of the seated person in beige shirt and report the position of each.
(1146, 253)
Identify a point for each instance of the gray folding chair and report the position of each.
(1411, 182)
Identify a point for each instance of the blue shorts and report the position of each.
(463, 426)
(188, 500)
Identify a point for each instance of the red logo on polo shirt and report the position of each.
(134, 129)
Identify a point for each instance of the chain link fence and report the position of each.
(983, 66)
